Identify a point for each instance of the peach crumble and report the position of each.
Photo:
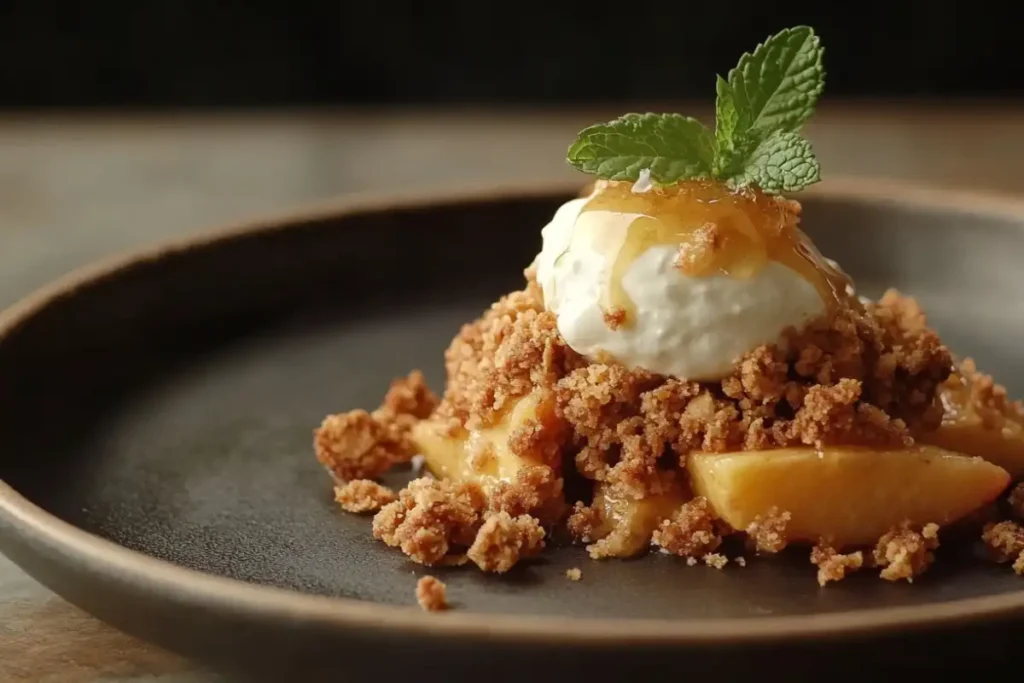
(682, 366)
(845, 412)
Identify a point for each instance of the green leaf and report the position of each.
(726, 118)
(776, 87)
(784, 162)
(672, 146)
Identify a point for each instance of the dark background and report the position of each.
(161, 53)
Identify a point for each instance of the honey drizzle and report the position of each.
(719, 231)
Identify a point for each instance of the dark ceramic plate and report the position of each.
(155, 431)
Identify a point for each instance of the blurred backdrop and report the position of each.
(182, 53)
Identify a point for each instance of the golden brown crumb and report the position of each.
(574, 574)
(767, 533)
(536, 491)
(540, 439)
(904, 553)
(834, 566)
(716, 560)
(432, 594)
(513, 348)
(1005, 541)
(503, 540)
(690, 532)
(410, 395)
(357, 445)
(698, 253)
(614, 317)
(586, 523)
(741, 561)
(1016, 500)
(363, 495)
(430, 519)
(362, 445)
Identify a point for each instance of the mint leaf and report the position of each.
(726, 118)
(776, 87)
(784, 162)
(672, 146)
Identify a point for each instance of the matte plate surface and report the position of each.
(167, 405)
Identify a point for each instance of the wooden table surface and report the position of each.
(76, 188)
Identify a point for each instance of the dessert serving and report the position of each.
(684, 371)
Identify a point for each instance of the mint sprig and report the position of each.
(672, 146)
(759, 110)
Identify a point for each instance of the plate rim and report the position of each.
(23, 519)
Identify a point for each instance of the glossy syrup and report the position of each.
(717, 230)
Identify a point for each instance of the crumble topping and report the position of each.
(574, 574)
(767, 533)
(858, 378)
(536, 491)
(512, 348)
(542, 438)
(362, 445)
(1005, 542)
(431, 594)
(716, 560)
(586, 523)
(430, 519)
(363, 495)
(503, 540)
(690, 532)
(358, 445)
(410, 395)
(862, 378)
(904, 553)
(832, 565)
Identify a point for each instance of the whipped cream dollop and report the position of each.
(689, 327)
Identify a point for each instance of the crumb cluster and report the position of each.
(1005, 541)
(690, 533)
(832, 565)
(441, 522)
(431, 594)
(363, 495)
(362, 445)
(904, 553)
(767, 533)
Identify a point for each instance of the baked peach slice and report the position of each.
(978, 419)
(849, 496)
(627, 523)
(485, 455)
